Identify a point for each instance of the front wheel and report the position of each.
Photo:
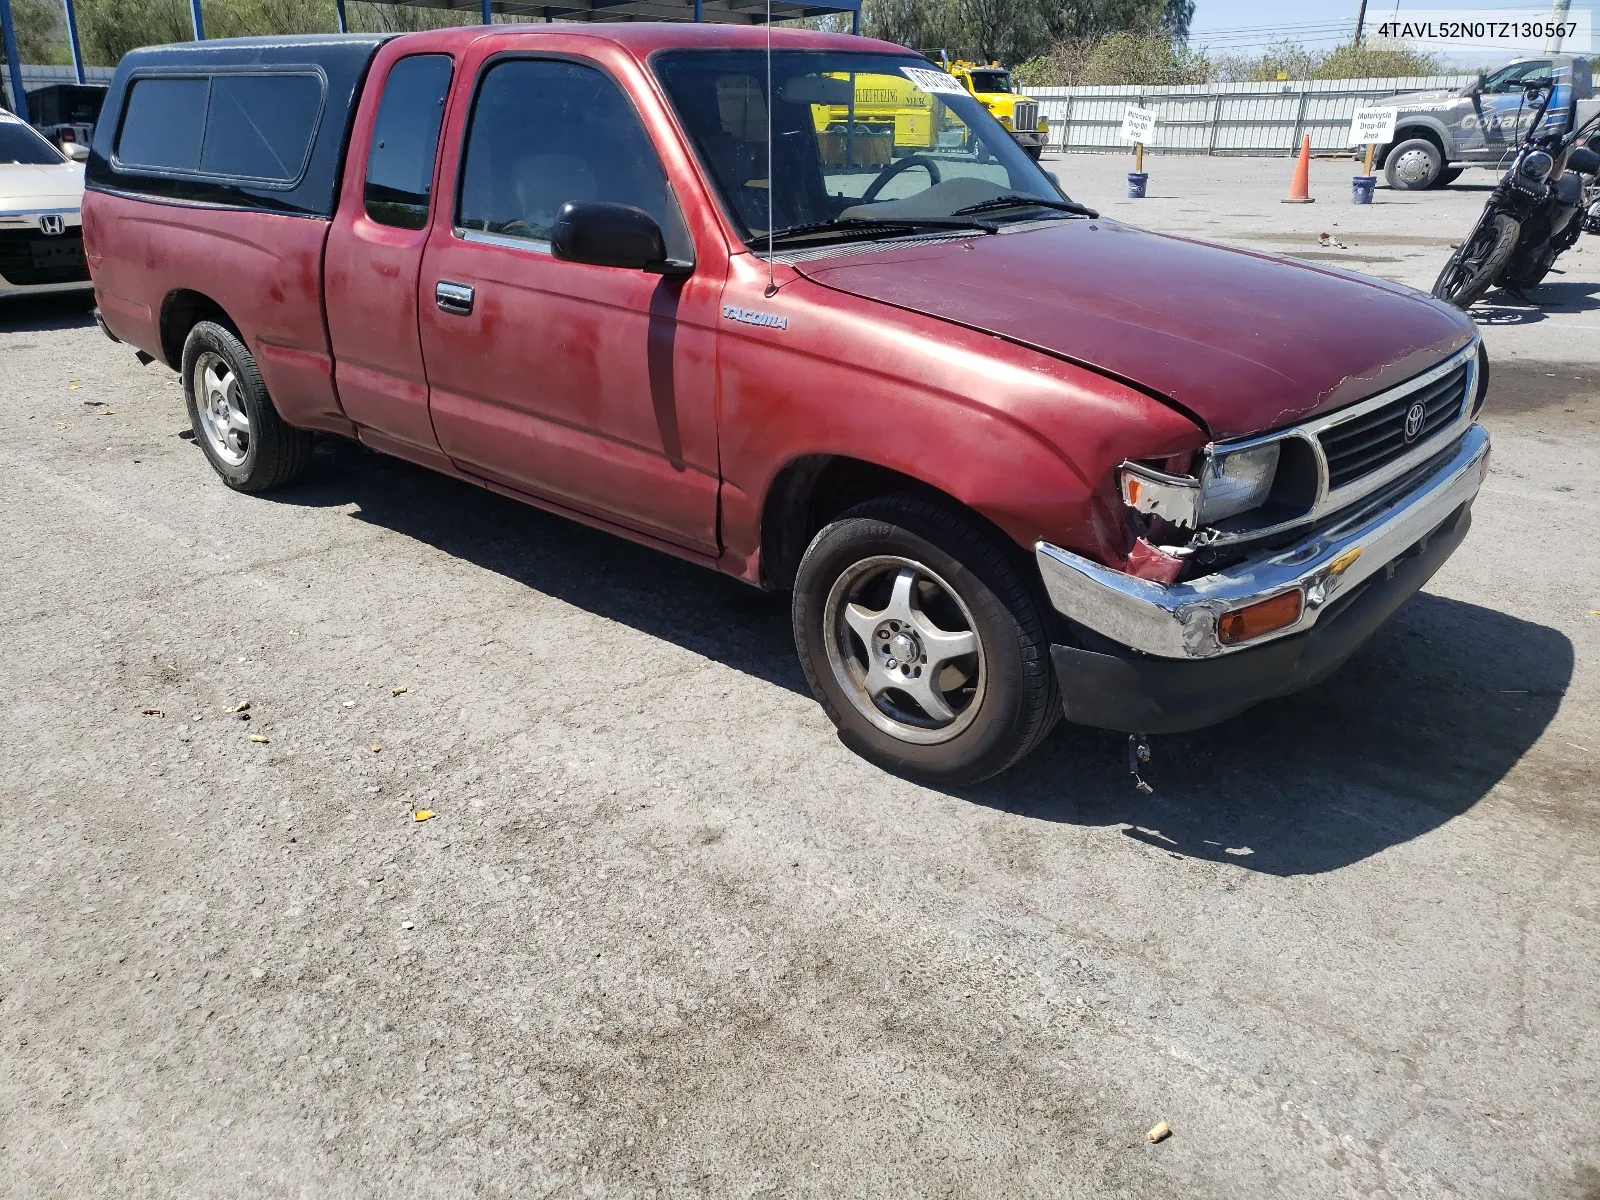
(1413, 165)
(1478, 261)
(922, 642)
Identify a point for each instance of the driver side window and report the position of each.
(1513, 77)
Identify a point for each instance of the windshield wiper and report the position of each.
(999, 202)
(881, 225)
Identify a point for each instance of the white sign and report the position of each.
(1138, 124)
(1480, 30)
(934, 81)
(1372, 125)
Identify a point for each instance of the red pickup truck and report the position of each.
(1011, 459)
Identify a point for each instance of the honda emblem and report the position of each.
(52, 224)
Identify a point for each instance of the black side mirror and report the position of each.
(612, 235)
(1483, 81)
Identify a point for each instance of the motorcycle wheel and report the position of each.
(1477, 261)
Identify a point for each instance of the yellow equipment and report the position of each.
(890, 114)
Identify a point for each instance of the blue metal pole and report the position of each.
(488, 17)
(855, 22)
(697, 15)
(19, 98)
(72, 37)
(199, 25)
(344, 25)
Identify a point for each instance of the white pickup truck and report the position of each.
(1439, 134)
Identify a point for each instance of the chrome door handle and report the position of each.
(453, 298)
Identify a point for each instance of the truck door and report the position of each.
(590, 387)
(374, 254)
(1502, 111)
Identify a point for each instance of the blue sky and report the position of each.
(1246, 26)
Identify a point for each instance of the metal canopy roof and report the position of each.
(736, 12)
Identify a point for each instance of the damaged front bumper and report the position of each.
(1163, 667)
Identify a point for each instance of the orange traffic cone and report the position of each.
(1300, 189)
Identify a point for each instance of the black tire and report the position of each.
(1413, 165)
(1017, 703)
(271, 454)
(1034, 152)
(1447, 176)
(1478, 261)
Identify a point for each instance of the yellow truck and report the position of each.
(888, 115)
(992, 86)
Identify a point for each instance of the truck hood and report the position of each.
(1243, 342)
(27, 189)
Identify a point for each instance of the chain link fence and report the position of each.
(1232, 118)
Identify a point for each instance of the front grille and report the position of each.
(1363, 444)
(28, 257)
(1025, 116)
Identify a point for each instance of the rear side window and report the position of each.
(260, 126)
(230, 126)
(165, 121)
(405, 139)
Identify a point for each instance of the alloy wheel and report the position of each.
(905, 649)
(219, 399)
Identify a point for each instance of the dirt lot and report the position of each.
(666, 936)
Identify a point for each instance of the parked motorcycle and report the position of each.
(1535, 213)
(1591, 191)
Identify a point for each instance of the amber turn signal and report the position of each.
(1264, 616)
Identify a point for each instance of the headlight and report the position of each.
(1234, 483)
(1230, 483)
(1538, 165)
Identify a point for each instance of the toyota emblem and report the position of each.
(1415, 416)
(52, 224)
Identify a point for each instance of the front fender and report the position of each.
(1026, 440)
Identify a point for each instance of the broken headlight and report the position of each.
(1236, 481)
(1230, 482)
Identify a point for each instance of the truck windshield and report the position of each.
(863, 145)
(21, 145)
(991, 81)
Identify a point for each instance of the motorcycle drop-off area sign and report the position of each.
(1138, 125)
(1372, 126)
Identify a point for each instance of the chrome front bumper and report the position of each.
(1180, 621)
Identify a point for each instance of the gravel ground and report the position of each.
(665, 936)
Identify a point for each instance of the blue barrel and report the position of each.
(1136, 182)
(1361, 188)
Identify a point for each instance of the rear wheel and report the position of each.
(1478, 261)
(1446, 177)
(1413, 165)
(234, 422)
(923, 643)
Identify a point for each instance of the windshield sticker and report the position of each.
(933, 81)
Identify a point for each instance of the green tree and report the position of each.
(1376, 60)
(108, 29)
(1004, 30)
(1290, 60)
(41, 30)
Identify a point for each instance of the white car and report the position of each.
(41, 221)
